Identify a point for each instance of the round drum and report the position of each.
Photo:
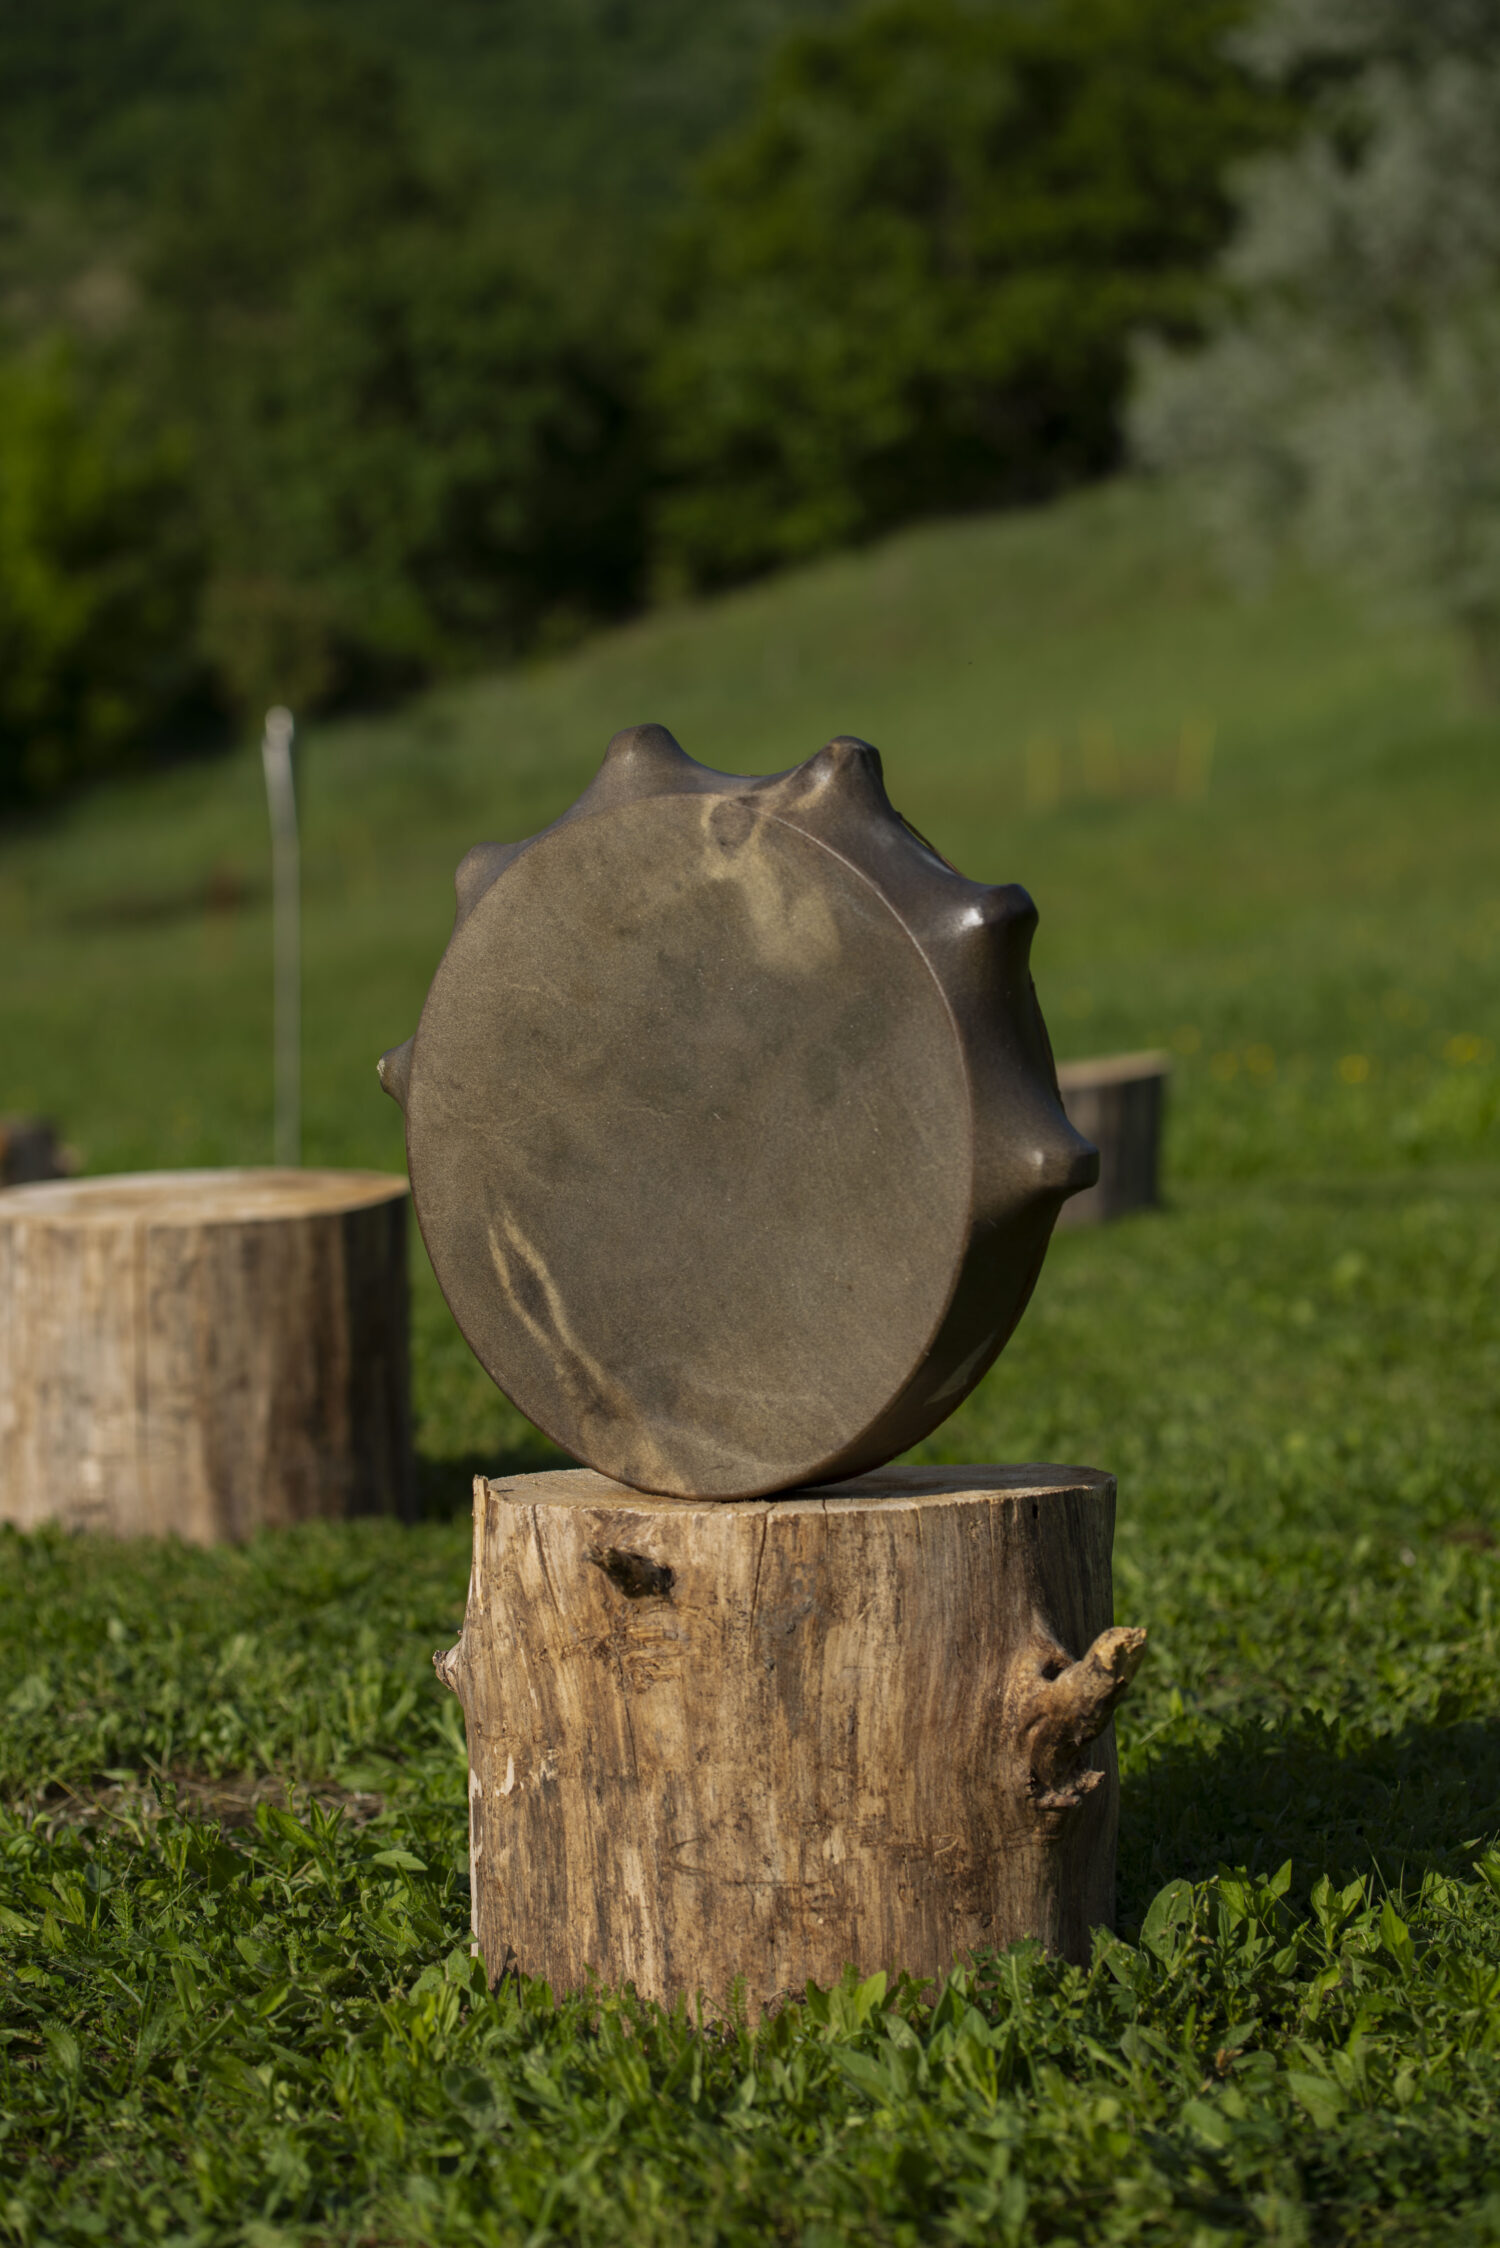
(732, 1129)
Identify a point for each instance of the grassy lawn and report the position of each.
(1263, 835)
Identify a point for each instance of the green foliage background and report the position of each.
(453, 337)
(578, 99)
(1345, 407)
(909, 283)
(412, 444)
(99, 560)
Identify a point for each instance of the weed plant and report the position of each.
(238, 2001)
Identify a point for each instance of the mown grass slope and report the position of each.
(1262, 835)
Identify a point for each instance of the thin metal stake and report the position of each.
(286, 913)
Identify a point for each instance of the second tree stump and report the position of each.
(205, 1353)
(752, 1742)
(1117, 1102)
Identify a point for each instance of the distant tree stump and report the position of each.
(29, 1151)
(758, 1740)
(1117, 1102)
(203, 1352)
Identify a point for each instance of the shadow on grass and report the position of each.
(445, 1487)
(1413, 1800)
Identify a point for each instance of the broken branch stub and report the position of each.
(1066, 1707)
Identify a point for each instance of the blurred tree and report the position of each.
(1349, 403)
(910, 280)
(414, 449)
(98, 565)
(559, 101)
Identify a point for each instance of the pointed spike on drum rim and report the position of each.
(997, 922)
(1004, 916)
(394, 1071)
(1004, 906)
(1066, 1162)
(642, 759)
(1054, 1156)
(848, 752)
(853, 766)
(846, 775)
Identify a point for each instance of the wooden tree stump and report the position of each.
(1117, 1102)
(203, 1352)
(750, 1742)
(29, 1150)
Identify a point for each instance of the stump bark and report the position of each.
(1118, 1103)
(203, 1352)
(745, 1744)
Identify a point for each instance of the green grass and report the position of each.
(226, 2021)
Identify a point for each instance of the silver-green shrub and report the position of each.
(1348, 404)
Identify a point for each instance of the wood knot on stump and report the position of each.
(636, 1574)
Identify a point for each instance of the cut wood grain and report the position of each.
(746, 1743)
(203, 1352)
